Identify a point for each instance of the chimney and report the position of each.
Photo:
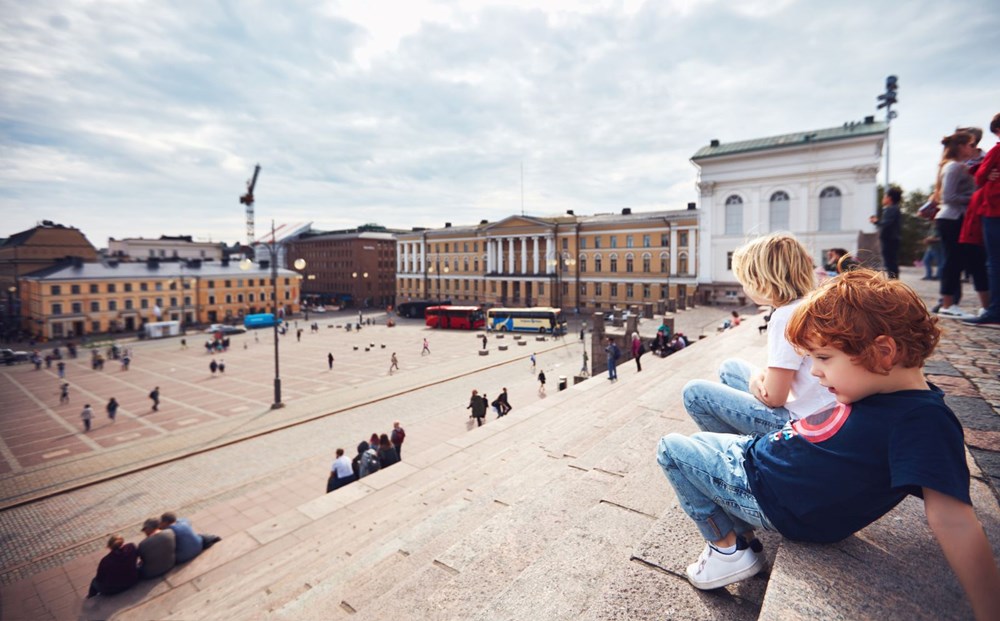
(569, 212)
(447, 225)
(482, 222)
(692, 206)
(714, 143)
(627, 211)
(869, 120)
(153, 262)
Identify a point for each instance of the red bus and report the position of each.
(455, 317)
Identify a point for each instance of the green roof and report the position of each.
(847, 130)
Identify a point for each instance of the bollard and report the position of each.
(522, 342)
(484, 352)
(562, 382)
(502, 348)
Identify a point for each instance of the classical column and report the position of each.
(550, 254)
(399, 257)
(673, 251)
(510, 253)
(423, 258)
(499, 250)
(537, 240)
(524, 255)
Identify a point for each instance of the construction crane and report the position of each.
(247, 199)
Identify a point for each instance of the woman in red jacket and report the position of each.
(987, 204)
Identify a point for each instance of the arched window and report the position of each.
(665, 263)
(647, 260)
(829, 209)
(778, 211)
(629, 263)
(734, 215)
(582, 262)
(597, 263)
(614, 263)
(465, 264)
(682, 264)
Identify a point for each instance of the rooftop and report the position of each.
(868, 127)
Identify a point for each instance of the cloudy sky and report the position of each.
(130, 118)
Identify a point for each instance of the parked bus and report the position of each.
(259, 320)
(416, 308)
(539, 319)
(455, 317)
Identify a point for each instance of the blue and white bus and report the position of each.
(538, 319)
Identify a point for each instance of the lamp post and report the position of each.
(564, 261)
(438, 268)
(364, 276)
(246, 264)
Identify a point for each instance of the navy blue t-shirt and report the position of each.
(827, 476)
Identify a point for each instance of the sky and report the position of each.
(132, 118)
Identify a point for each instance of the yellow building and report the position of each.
(590, 263)
(78, 298)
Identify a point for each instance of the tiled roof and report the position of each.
(847, 130)
(137, 270)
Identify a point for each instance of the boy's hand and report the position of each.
(964, 544)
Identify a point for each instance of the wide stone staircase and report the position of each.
(557, 511)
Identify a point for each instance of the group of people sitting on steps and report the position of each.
(168, 541)
(380, 451)
(839, 428)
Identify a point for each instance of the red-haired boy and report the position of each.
(827, 476)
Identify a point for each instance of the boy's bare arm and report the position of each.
(967, 550)
(772, 386)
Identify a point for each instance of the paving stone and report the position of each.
(974, 413)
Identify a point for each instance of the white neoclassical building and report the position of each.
(819, 185)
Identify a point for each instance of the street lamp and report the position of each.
(439, 269)
(364, 276)
(564, 262)
(246, 264)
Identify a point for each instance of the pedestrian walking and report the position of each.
(63, 393)
(478, 406)
(213, 366)
(126, 360)
(397, 437)
(504, 403)
(485, 340)
(329, 360)
(112, 409)
(184, 344)
(638, 349)
(426, 349)
(61, 367)
(87, 415)
(394, 363)
(533, 361)
(613, 354)
(222, 366)
(298, 335)
(155, 398)
(585, 369)
(541, 382)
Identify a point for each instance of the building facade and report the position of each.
(77, 299)
(352, 268)
(819, 185)
(585, 263)
(167, 247)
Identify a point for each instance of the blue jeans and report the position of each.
(932, 260)
(991, 240)
(729, 407)
(612, 368)
(707, 473)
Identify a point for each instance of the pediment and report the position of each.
(519, 224)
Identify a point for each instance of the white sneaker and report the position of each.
(714, 569)
(954, 312)
(980, 312)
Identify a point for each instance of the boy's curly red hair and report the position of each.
(850, 311)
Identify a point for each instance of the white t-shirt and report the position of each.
(807, 396)
(342, 466)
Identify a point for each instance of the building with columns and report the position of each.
(588, 263)
(819, 185)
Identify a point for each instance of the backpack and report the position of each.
(369, 461)
(615, 352)
(398, 435)
(642, 348)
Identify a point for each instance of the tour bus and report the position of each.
(259, 320)
(541, 319)
(455, 317)
(416, 308)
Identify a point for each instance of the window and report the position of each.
(665, 240)
(172, 286)
(682, 263)
(565, 288)
(778, 211)
(95, 306)
(210, 284)
(628, 241)
(829, 209)
(541, 288)
(734, 216)
(565, 243)
(95, 326)
(143, 303)
(128, 304)
(614, 263)
(647, 261)
(729, 261)
(74, 289)
(239, 298)
(128, 287)
(614, 241)
(211, 300)
(582, 261)
(629, 290)
(77, 308)
(465, 246)
(645, 241)
(583, 289)
(597, 263)
(159, 302)
(94, 288)
(159, 286)
(145, 286)
(646, 291)
(56, 290)
(597, 241)
(56, 308)
(583, 243)
(446, 247)
(111, 287)
(629, 263)
(614, 290)
(229, 283)
(682, 239)
(664, 263)
(598, 289)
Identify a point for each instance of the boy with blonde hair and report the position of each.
(828, 475)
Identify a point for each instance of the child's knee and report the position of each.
(695, 390)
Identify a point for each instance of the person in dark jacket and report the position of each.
(478, 406)
(118, 571)
(387, 455)
(890, 230)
